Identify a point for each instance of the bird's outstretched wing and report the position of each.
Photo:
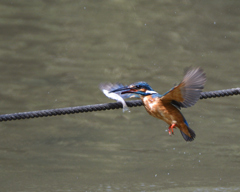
(187, 93)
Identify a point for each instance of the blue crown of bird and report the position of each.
(167, 106)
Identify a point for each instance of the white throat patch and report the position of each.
(150, 92)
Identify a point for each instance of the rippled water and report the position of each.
(55, 54)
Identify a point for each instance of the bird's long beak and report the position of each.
(124, 90)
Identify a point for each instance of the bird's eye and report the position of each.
(138, 86)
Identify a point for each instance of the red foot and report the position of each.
(170, 129)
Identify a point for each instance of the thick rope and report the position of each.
(100, 107)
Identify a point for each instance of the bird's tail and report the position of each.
(191, 133)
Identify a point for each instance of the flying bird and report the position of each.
(167, 106)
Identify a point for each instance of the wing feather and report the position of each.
(187, 93)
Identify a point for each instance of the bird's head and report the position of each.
(140, 88)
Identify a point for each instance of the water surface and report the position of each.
(55, 54)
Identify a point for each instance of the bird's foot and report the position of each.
(170, 129)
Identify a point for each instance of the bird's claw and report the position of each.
(170, 129)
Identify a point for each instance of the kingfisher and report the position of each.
(167, 106)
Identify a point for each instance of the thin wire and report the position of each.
(100, 107)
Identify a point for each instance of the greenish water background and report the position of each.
(55, 54)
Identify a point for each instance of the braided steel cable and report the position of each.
(100, 107)
(220, 93)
